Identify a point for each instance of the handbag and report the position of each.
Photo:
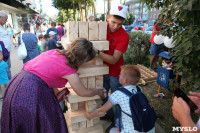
(22, 52)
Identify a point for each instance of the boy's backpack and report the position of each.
(4, 51)
(142, 113)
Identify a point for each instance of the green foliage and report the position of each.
(102, 17)
(129, 19)
(138, 49)
(182, 20)
(63, 16)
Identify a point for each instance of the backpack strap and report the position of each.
(138, 88)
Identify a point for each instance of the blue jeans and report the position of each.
(8, 68)
(110, 82)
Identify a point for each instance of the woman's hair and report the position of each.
(132, 73)
(26, 26)
(78, 52)
(59, 23)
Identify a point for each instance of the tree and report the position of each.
(181, 18)
(109, 6)
(129, 19)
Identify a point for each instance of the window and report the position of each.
(137, 5)
(154, 9)
(137, 11)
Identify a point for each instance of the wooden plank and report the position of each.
(83, 29)
(75, 126)
(102, 31)
(90, 106)
(96, 121)
(93, 31)
(98, 60)
(99, 82)
(74, 98)
(81, 106)
(74, 107)
(101, 45)
(82, 125)
(76, 117)
(72, 30)
(87, 70)
(91, 82)
(85, 82)
(90, 123)
(95, 129)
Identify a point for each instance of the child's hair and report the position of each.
(132, 73)
(40, 37)
(78, 52)
(46, 36)
(53, 24)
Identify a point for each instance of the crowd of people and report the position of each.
(29, 102)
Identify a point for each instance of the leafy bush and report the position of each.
(182, 20)
(139, 45)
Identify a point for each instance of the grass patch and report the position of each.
(163, 106)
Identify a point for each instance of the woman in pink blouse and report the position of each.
(30, 104)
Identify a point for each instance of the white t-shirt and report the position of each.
(120, 98)
(5, 38)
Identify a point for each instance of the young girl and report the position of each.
(3, 76)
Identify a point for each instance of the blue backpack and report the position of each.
(4, 51)
(142, 114)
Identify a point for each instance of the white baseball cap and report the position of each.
(119, 10)
(51, 33)
(90, 15)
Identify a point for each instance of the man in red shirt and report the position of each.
(118, 44)
(155, 48)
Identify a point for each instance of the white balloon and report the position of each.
(158, 39)
(168, 42)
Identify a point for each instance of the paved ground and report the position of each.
(16, 64)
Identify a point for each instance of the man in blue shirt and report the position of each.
(53, 28)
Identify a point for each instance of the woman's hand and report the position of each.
(101, 93)
(195, 97)
(180, 109)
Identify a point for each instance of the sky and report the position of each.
(51, 11)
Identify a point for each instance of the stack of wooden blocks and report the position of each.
(91, 75)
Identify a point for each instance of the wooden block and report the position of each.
(96, 121)
(72, 30)
(90, 106)
(87, 70)
(95, 129)
(76, 117)
(85, 82)
(75, 126)
(102, 31)
(99, 82)
(91, 82)
(99, 102)
(81, 106)
(101, 45)
(74, 98)
(93, 31)
(82, 125)
(90, 123)
(83, 30)
(74, 107)
(98, 60)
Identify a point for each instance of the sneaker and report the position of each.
(111, 126)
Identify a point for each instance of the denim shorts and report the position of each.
(155, 49)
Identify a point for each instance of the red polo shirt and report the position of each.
(153, 34)
(117, 41)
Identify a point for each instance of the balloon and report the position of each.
(142, 28)
(168, 42)
(158, 39)
(136, 28)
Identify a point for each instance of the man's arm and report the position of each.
(111, 59)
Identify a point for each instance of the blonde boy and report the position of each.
(129, 77)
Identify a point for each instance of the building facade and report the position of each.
(19, 11)
(141, 12)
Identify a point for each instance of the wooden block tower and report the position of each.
(91, 75)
